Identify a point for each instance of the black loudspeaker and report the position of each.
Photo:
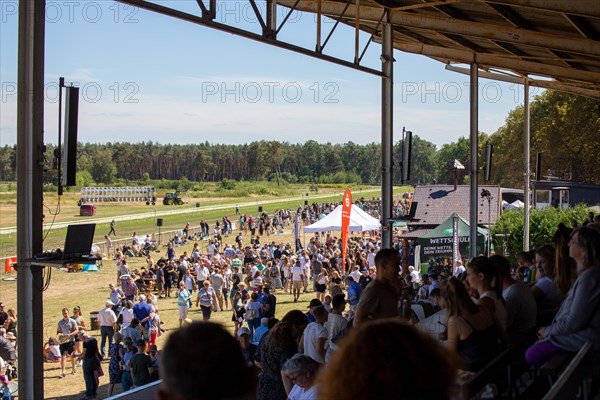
(69, 158)
(305, 202)
(260, 209)
(488, 162)
(406, 156)
(159, 222)
(538, 167)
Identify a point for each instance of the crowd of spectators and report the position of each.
(358, 306)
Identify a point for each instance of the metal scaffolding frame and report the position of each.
(505, 34)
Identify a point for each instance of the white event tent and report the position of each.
(360, 221)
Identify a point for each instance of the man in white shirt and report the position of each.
(415, 277)
(202, 274)
(298, 279)
(306, 270)
(316, 336)
(371, 257)
(336, 322)
(211, 249)
(355, 274)
(460, 268)
(108, 322)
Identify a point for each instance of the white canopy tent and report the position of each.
(360, 221)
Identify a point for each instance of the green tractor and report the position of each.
(172, 198)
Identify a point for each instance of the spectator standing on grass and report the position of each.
(112, 228)
(91, 364)
(108, 323)
(127, 314)
(128, 352)
(141, 365)
(298, 279)
(67, 330)
(133, 331)
(115, 352)
(142, 312)
(129, 288)
(183, 302)
(206, 299)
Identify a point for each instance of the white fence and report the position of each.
(113, 194)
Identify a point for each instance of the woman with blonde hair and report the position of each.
(473, 332)
(389, 359)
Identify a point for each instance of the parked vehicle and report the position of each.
(87, 210)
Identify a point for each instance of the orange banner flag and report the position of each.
(346, 209)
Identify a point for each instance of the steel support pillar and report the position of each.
(30, 133)
(527, 168)
(474, 138)
(387, 136)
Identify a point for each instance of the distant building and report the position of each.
(564, 194)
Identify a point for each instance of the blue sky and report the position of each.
(145, 76)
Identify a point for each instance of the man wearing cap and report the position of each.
(314, 303)
(248, 348)
(141, 365)
(108, 323)
(380, 297)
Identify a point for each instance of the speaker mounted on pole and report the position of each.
(69, 156)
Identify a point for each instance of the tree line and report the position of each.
(564, 128)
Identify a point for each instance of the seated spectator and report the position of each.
(204, 347)
(52, 350)
(381, 371)
(299, 375)
(472, 329)
(578, 318)
(485, 278)
(545, 290)
(521, 310)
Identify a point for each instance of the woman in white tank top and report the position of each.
(484, 277)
